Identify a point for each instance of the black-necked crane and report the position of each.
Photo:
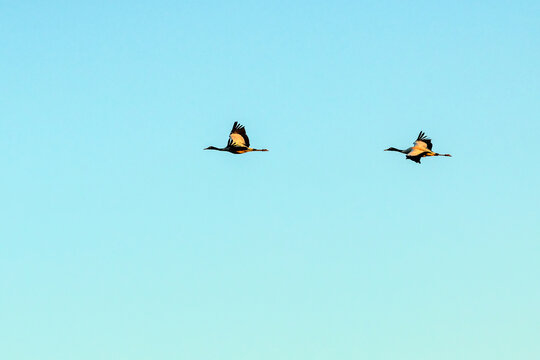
(422, 147)
(238, 141)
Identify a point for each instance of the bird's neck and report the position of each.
(401, 151)
(215, 148)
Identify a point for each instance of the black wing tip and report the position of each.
(414, 158)
(422, 136)
(237, 126)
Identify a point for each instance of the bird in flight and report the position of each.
(238, 141)
(422, 147)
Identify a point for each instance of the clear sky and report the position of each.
(122, 239)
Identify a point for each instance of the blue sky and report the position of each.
(122, 239)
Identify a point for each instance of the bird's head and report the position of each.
(210, 148)
(391, 149)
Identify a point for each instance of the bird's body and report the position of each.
(238, 141)
(421, 148)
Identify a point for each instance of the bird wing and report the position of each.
(238, 137)
(416, 158)
(423, 141)
(417, 150)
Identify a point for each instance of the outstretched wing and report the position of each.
(417, 150)
(238, 137)
(416, 157)
(423, 141)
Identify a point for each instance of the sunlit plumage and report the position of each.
(238, 141)
(421, 148)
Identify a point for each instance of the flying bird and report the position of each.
(238, 141)
(422, 147)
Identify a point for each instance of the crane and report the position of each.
(238, 141)
(421, 147)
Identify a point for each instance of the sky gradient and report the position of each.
(120, 238)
